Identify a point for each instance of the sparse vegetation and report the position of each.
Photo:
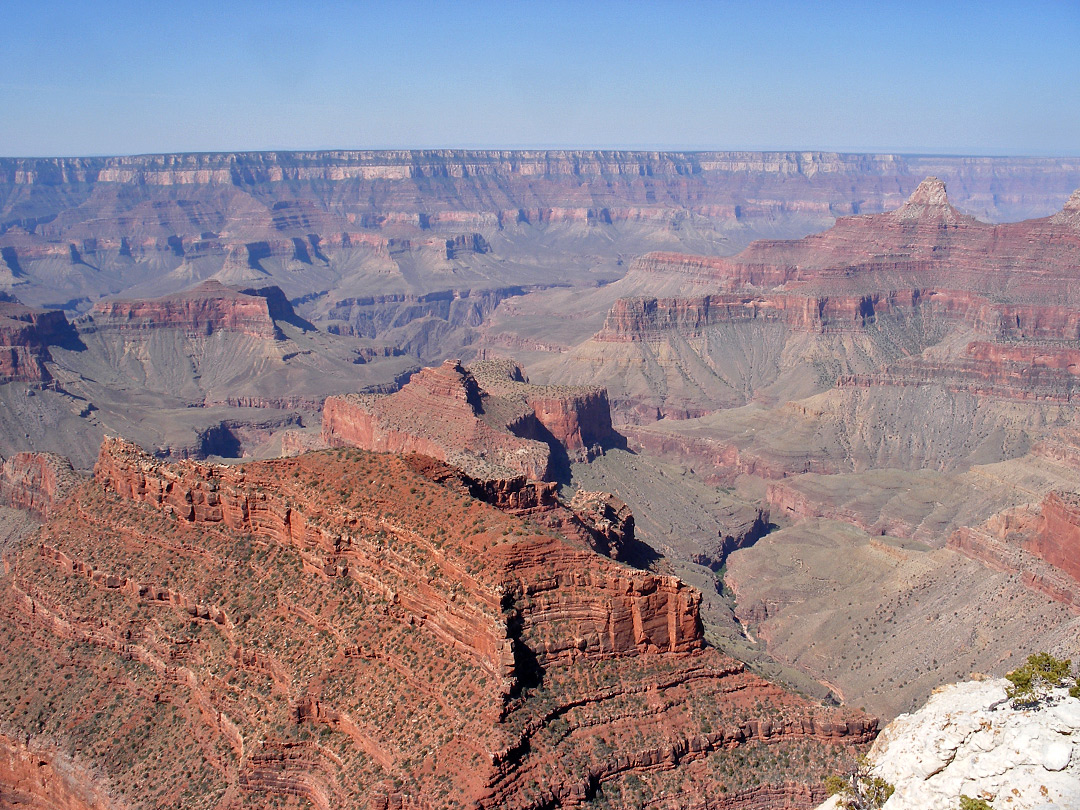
(859, 789)
(968, 803)
(1033, 683)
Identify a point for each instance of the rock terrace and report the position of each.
(316, 630)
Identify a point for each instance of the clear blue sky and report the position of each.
(108, 77)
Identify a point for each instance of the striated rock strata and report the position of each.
(35, 777)
(207, 308)
(36, 482)
(577, 417)
(25, 335)
(1040, 542)
(486, 420)
(335, 630)
(917, 296)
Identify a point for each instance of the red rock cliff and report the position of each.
(1057, 539)
(36, 482)
(577, 417)
(37, 777)
(636, 610)
(25, 334)
(205, 309)
(441, 412)
(337, 630)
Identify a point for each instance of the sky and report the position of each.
(109, 77)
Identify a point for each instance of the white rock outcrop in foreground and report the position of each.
(957, 744)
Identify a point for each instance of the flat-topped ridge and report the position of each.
(484, 419)
(207, 308)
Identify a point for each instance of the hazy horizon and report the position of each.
(943, 152)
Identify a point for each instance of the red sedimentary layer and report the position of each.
(596, 519)
(1010, 283)
(1040, 371)
(1057, 539)
(1040, 542)
(205, 309)
(36, 482)
(338, 629)
(438, 413)
(24, 337)
(486, 420)
(34, 777)
(925, 239)
(201, 494)
(633, 319)
(577, 417)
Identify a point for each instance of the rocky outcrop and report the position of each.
(442, 413)
(1057, 539)
(578, 418)
(1040, 542)
(373, 638)
(969, 741)
(203, 494)
(609, 518)
(36, 776)
(485, 420)
(25, 335)
(203, 310)
(598, 520)
(36, 482)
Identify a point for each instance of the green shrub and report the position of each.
(859, 789)
(1031, 684)
(968, 803)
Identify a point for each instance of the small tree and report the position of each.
(1031, 684)
(859, 789)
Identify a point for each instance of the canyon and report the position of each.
(900, 385)
(215, 370)
(521, 479)
(228, 635)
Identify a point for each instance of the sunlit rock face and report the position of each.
(337, 630)
(969, 740)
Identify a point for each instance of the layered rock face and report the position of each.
(37, 779)
(485, 420)
(1007, 283)
(36, 482)
(967, 740)
(207, 308)
(598, 520)
(356, 225)
(1039, 541)
(213, 370)
(25, 335)
(212, 495)
(439, 413)
(1058, 538)
(339, 630)
(902, 384)
(922, 298)
(577, 417)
